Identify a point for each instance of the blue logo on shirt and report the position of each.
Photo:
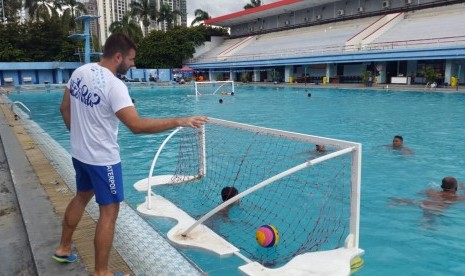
(83, 94)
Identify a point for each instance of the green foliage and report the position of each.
(200, 16)
(366, 76)
(12, 8)
(128, 26)
(168, 49)
(253, 4)
(430, 74)
(36, 41)
(210, 31)
(275, 76)
(165, 14)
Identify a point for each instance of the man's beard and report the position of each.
(122, 69)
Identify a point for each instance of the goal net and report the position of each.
(311, 197)
(213, 87)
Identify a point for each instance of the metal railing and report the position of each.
(340, 49)
(16, 103)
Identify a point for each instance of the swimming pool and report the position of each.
(397, 239)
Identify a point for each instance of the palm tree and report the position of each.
(145, 10)
(200, 16)
(73, 7)
(128, 26)
(167, 15)
(42, 9)
(71, 10)
(253, 4)
(12, 9)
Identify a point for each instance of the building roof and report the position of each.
(275, 8)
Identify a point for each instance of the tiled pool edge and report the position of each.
(144, 250)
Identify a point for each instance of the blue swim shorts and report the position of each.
(106, 181)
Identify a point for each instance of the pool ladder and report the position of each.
(15, 103)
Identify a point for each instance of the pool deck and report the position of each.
(33, 197)
(30, 222)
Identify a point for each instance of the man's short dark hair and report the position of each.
(228, 192)
(399, 137)
(118, 42)
(449, 183)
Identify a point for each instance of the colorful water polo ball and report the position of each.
(267, 235)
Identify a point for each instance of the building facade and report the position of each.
(340, 41)
(110, 11)
(113, 10)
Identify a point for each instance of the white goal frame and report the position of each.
(217, 84)
(190, 232)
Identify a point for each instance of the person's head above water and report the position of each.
(449, 183)
(398, 141)
(320, 148)
(228, 192)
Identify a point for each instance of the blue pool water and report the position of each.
(397, 239)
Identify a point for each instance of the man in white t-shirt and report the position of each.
(94, 102)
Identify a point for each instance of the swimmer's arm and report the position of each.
(429, 192)
(65, 109)
(403, 201)
(406, 150)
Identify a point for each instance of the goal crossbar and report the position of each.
(212, 87)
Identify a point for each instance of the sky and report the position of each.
(216, 8)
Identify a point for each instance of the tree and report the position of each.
(209, 31)
(128, 26)
(146, 10)
(200, 16)
(430, 74)
(253, 4)
(43, 10)
(168, 49)
(71, 10)
(12, 10)
(36, 41)
(167, 15)
(73, 7)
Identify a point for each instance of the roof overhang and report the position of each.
(275, 8)
(454, 52)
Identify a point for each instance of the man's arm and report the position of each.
(65, 109)
(136, 124)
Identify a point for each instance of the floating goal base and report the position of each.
(200, 237)
(329, 263)
(142, 185)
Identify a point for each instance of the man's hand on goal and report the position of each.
(194, 121)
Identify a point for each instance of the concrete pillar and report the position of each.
(381, 78)
(87, 41)
(412, 70)
(331, 70)
(211, 76)
(231, 75)
(256, 74)
(288, 73)
(448, 71)
(59, 75)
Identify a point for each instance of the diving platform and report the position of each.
(86, 37)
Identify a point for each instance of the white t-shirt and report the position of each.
(96, 95)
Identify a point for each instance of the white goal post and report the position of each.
(213, 87)
(311, 197)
